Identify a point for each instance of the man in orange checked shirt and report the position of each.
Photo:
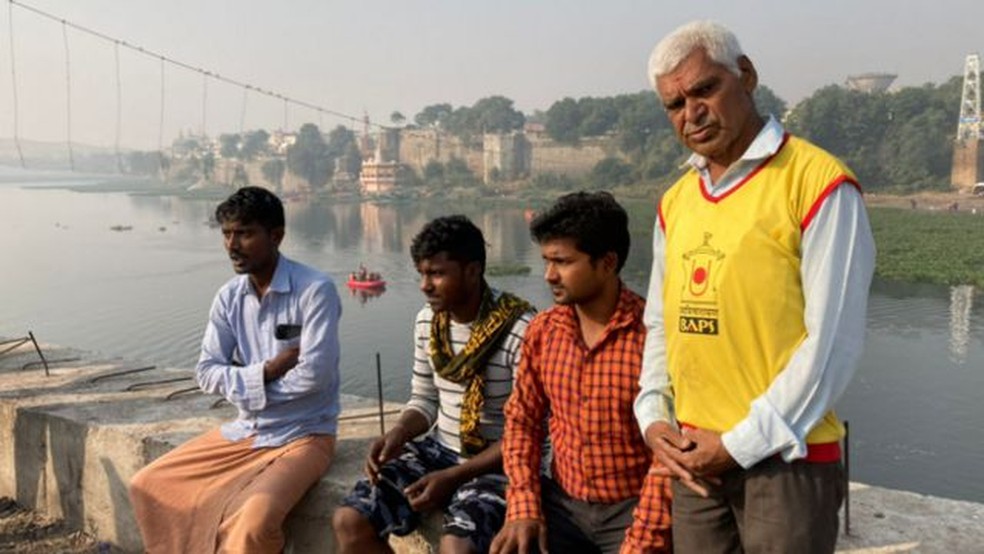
(579, 371)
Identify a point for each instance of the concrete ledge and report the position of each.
(79, 435)
(72, 441)
(887, 521)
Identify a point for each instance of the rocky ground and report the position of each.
(26, 532)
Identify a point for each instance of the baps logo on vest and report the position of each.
(698, 303)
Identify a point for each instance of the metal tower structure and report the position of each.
(970, 126)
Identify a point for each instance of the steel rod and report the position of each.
(149, 384)
(379, 390)
(19, 342)
(112, 374)
(28, 365)
(365, 415)
(38, 348)
(174, 394)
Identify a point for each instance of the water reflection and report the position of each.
(309, 224)
(365, 295)
(389, 228)
(961, 302)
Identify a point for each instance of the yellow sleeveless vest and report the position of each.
(732, 291)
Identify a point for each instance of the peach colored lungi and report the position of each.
(214, 495)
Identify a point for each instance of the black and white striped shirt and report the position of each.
(439, 400)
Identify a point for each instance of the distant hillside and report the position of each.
(54, 156)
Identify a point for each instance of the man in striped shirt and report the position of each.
(580, 366)
(466, 346)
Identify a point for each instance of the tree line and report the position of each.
(899, 141)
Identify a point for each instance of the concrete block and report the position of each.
(72, 441)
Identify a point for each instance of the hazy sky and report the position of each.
(384, 55)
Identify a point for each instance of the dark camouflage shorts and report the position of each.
(476, 511)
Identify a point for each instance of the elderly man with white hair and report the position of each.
(762, 259)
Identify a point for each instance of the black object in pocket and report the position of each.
(287, 331)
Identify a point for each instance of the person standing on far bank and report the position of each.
(762, 259)
(271, 349)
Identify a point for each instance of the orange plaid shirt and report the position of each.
(599, 453)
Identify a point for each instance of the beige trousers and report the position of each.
(213, 495)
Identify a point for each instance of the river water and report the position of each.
(916, 419)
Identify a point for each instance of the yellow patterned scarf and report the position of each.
(467, 368)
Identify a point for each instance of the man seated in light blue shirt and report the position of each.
(271, 349)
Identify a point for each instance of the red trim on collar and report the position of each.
(659, 213)
(827, 191)
(716, 199)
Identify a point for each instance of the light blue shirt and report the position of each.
(837, 262)
(240, 338)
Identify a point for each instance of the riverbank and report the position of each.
(80, 433)
(932, 244)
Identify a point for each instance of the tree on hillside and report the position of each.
(339, 139)
(599, 116)
(461, 123)
(768, 103)
(353, 158)
(229, 146)
(254, 144)
(610, 173)
(397, 118)
(434, 115)
(343, 146)
(640, 118)
(496, 114)
(850, 124)
(568, 120)
(901, 140)
(564, 121)
(308, 157)
(454, 174)
(273, 171)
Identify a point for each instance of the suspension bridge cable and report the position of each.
(242, 112)
(68, 98)
(286, 118)
(204, 102)
(189, 67)
(119, 111)
(160, 124)
(13, 83)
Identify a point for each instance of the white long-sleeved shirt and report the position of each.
(241, 336)
(838, 256)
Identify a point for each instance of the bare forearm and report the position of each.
(411, 424)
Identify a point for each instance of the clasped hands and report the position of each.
(696, 457)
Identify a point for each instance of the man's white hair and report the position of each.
(720, 44)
